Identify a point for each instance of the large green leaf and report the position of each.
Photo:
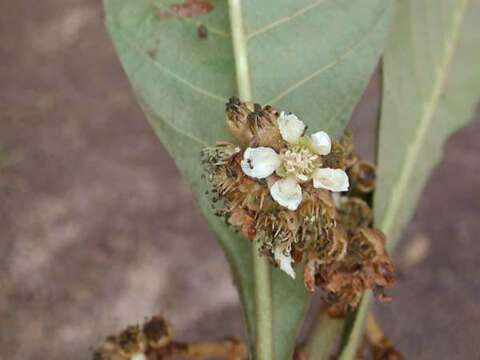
(311, 57)
(431, 85)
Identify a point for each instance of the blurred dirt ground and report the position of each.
(97, 229)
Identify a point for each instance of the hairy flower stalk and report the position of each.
(303, 198)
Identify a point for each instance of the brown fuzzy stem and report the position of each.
(226, 349)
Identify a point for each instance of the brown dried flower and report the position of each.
(158, 332)
(127, 345)
(366, 265)
(154, 341)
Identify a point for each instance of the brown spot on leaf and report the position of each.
(151, 53)
(202, 32)
(189, 8)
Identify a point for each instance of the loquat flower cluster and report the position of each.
(303, 198)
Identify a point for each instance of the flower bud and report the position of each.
(130, 341)
(158, 332)
(363, 176)
(236, 114)
(354, 212)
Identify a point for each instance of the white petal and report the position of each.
(260, 162)
(284, 262)
(337, 199)
(330, 179)
(290, 127)
(138, 356)
(287, 193)
(321, 143)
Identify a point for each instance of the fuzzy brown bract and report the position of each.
(366, 265)
(330, 234)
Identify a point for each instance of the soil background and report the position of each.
(97, 229)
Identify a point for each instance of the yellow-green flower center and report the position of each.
(299, 161)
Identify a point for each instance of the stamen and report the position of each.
(300, 162)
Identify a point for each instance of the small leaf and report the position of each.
(310, 57)
(431, 85)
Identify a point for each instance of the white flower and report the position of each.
(331, 179)
(287, 192)
(298, 164)
(260, 162)
(291, 128)
(284, 261)
(321, 143)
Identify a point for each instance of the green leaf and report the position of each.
(431, 85)
(310, 57)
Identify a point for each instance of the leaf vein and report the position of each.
(171, 73)
(324, 68)
(284, 20)
(178, 130)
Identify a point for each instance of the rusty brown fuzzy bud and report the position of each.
(250, 124)
(236, 116)
(354, 213)
(336, 159)
(156, 339)
(362, 176)
(266, 132)
(366, 265)
(130, 340)
(347, 142)
(158, 332)
(341, 153)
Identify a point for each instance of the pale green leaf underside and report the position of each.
(310, 57)
(431, 85)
